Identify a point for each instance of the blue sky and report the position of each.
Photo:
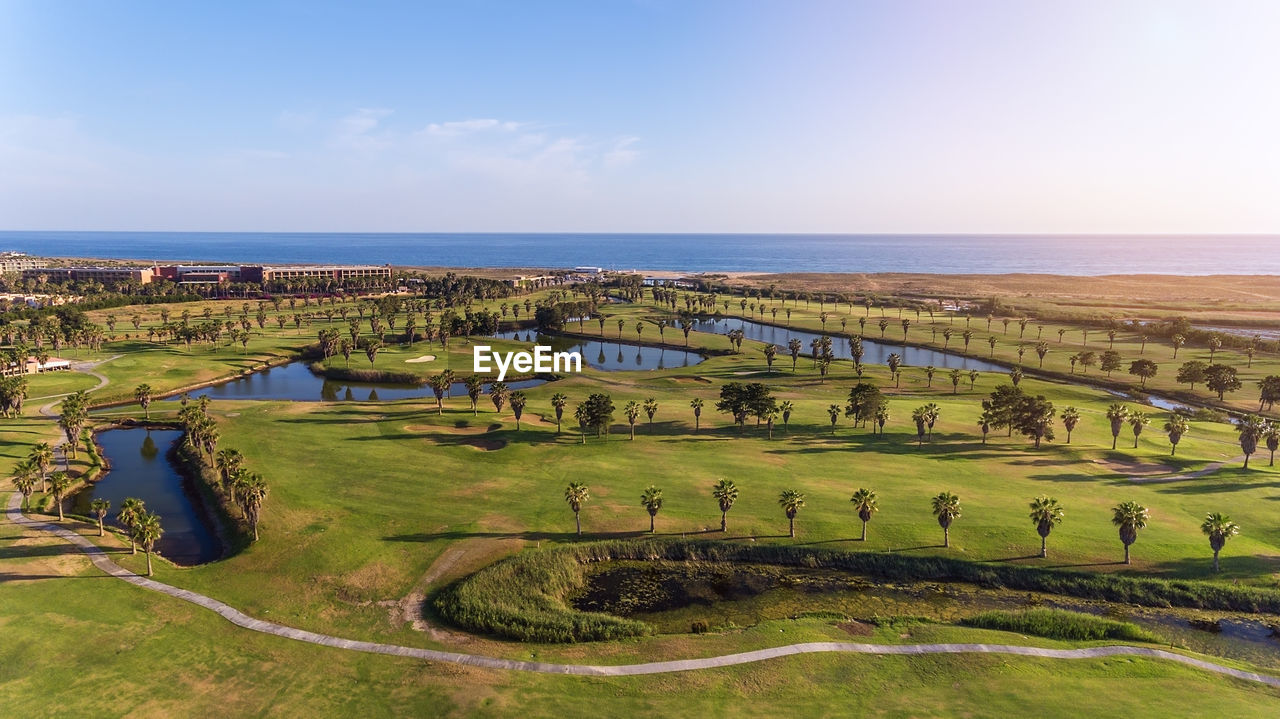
(895, 116)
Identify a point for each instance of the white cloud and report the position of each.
(463, 127)
(358, 130)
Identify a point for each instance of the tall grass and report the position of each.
(1060, 624)
(523, 597)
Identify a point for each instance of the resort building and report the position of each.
(141, 275)
(204, 274)
(34, 366)
(336, 272)
(15, 262)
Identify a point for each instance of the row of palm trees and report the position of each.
(1046, 513)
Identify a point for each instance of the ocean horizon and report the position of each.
(687, 252)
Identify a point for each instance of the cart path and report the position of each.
(99, 558)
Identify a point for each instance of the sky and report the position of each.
(900, 116)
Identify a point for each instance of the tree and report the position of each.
(142, 393)
(130, 510)
(1137, 421)
(864, 503)
(895, 365)
(882, 414)
(146, 531)
(991, 340)
(1272, 436)
(252, 493)
(833, 411)
(918, 415)
(791, 501)
(786, 408)
(99, 507)
(1219, 528)
(581, 413)
(696, 403)
(371, 349)
(1015, 375)
(1192, 372)
(518, 401)
(558, 402)
(632, 411)
(59, 483)
(575, 494)
(439, 385)
(1042, 349)
(1070, 418)
(1117, 414)
(794, 346)
(1046, 514)
(1214, 344)
(985, 421)
(1222, 378)
(1175, 427)
(475, 386)
(599, 413)
(651, 500)
(1002, 406)
(1110, 362)
(928, 373)
(1129, 517)
(498, 394)
(1033, 418)
(1177, 341)
(1143, 369)
(1270, 392)
(864, 398)
(726, 493)
(946, 508)
(650, 409)
(1251, 428)
(954, 376)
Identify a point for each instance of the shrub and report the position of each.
(1060, 624)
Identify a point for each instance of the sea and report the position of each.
(937, 254)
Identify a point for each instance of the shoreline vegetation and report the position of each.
(525, 597)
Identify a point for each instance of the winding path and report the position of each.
(99, 558)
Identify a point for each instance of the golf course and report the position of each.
(377, 497)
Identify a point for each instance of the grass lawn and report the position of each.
(370, 502)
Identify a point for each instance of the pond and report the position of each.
(609, 356)
(874, 351)
(295, 381)
(140, 468)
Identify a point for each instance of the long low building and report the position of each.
(208, 274)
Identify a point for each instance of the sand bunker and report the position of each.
(423, 358)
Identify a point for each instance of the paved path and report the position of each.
(235, 616)
(82, 366)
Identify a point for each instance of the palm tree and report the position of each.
(632, 410)
(1272, 436)
(864, 501)
(558, 402)
(1219, 528)
(146, 531)
(475, 385)
(142, 393)
(726, 493)
(833, 411)
(1137, 420)
(1215, 344)
(41, 458)
(575, 494)
(1251, 428)
(1046, 514)
(1175, 428)
(498, 394)
(895, 364)
(130, 510)
(651, 500)
(1177, 341)
(99, 507)
(1129, 517)
(252, 492)
(787, 407)
(1116, 414)
(946, 507)
(650, 409)
(583, 415)
(439, 384)
(791, 501)
(59, 483)
(518, 401)
(24, 480)
(696, 403)
(1070, 418)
